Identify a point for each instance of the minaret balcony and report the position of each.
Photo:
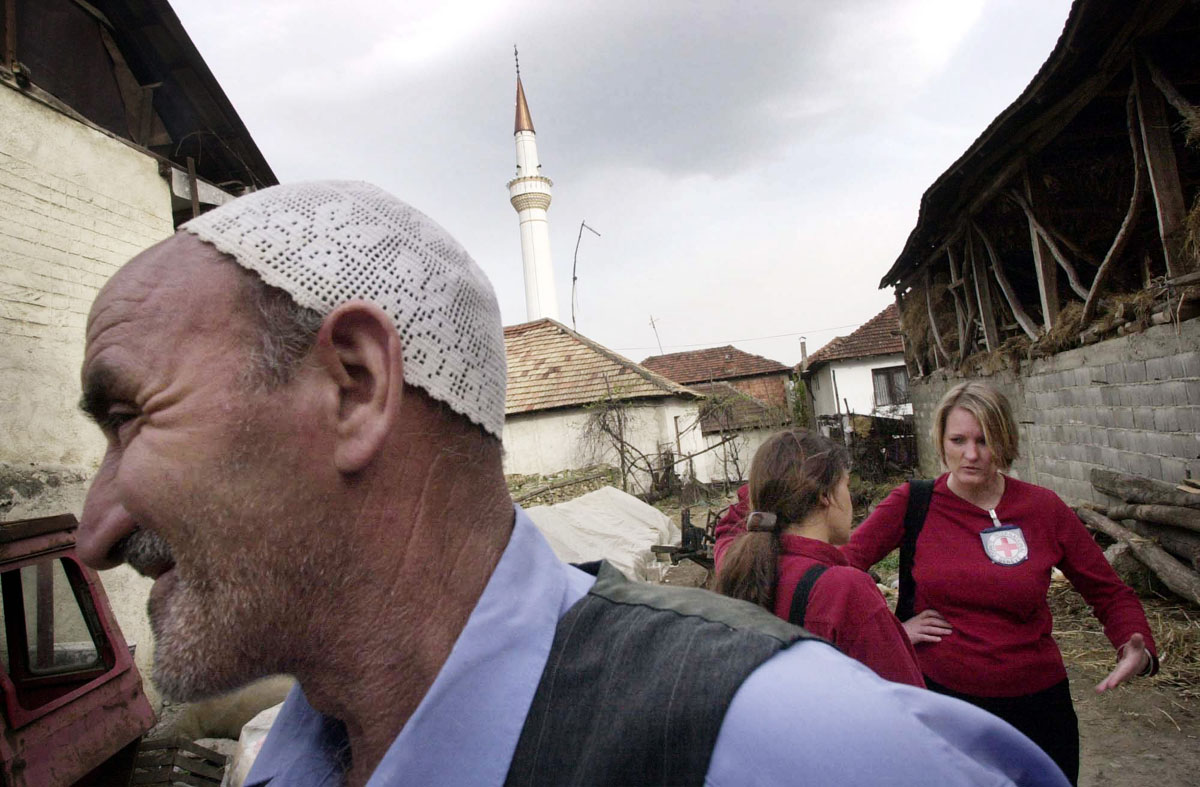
(529, 183)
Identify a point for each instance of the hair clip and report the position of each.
(761, 522)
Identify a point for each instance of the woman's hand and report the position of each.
(927, 626)
(1133, 659)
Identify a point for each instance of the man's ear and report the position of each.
(360, 350)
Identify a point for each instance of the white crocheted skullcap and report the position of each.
(326, 243)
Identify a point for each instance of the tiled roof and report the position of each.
(550, 366)
(879, 335)
(714, 363)
(728, 409)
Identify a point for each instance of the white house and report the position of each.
(571, 401)
(862, 373)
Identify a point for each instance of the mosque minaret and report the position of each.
(529, 193)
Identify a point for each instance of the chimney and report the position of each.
(803, 354)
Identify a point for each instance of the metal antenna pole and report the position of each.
(655, 329)
(574, 266)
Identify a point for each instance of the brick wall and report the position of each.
(1130, 404)
(74, 205)
(767, 388)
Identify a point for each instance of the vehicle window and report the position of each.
(56, 634)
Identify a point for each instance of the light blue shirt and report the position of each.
(807, 715)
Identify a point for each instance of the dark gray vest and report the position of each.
(637, 684)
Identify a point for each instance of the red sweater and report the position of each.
(1001, 644)
(844, 605)
(730, 526)
(846, 608)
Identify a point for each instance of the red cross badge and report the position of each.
(1005, 545)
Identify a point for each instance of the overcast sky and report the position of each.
(754, 168)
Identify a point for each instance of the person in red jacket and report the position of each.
(981, 567)
(800, 495)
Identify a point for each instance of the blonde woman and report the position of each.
(979, 571)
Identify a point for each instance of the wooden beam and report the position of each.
(1051, 244)
(1131, 216)
(983, 295)
(933, 326)
(955, 285)
(1010, 294)
(1043, 265)
(1163, 169)
(1189, 111)
(10, 34)
(1174, 574)
(972, 309)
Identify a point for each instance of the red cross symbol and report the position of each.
(1006, 547)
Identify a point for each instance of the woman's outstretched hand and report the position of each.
(1133, 659)
(927, 626)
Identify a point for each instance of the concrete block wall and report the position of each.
(1130, 404)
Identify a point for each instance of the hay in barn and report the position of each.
(1176, 629)
(914, 322)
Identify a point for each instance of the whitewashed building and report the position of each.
(862, 373)
(560, 384)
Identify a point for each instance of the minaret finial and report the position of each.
(518, 59)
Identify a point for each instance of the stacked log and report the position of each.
(1159, 522)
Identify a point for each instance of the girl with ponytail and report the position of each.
(787, 559)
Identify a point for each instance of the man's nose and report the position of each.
(104, 522)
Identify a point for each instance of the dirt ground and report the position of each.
(1135, 736)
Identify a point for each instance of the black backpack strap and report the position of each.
(920, 492)
(800, 597)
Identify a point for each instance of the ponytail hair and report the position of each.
(789, 475)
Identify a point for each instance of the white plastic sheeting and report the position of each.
(607, 524)
(250, 742)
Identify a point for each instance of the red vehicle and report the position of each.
(73, 708)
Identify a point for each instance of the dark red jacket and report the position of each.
(1001, 644)
(844, 606)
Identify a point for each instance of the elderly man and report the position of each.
(303, 397)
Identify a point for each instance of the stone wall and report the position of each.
(1130, 404)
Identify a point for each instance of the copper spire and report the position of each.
(523, 122)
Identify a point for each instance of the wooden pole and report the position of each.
(10, 34)
(1010, 295)
(1175, 516)
(1136, 489)
(1045, 267)
(1189, 111)
(1131, 216)
(955, 283)
(1163, 169)
(1183, 544)
(1051, 244)
(933, 326)
(1176, 576)
(983, 295)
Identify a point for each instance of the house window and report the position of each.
(891, 386)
